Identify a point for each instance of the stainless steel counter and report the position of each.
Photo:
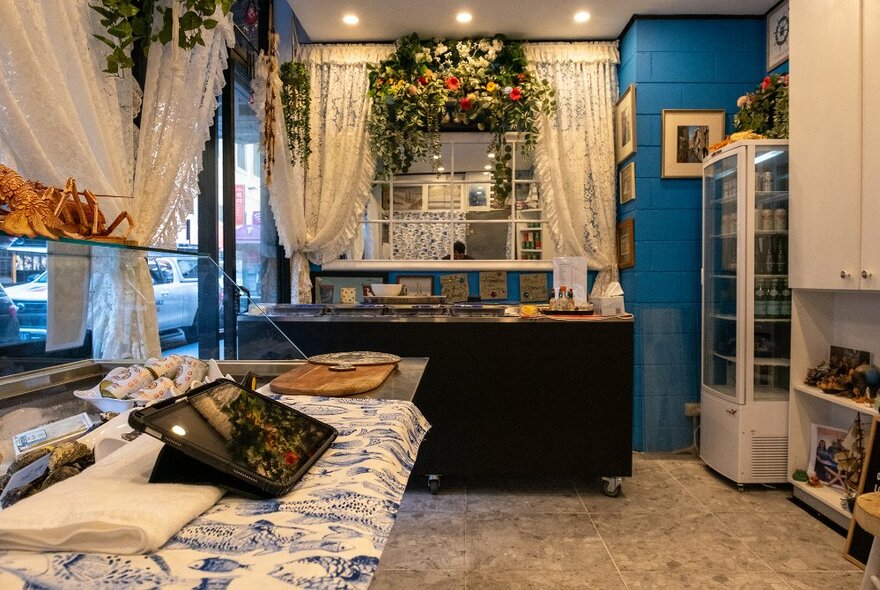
(421, 319)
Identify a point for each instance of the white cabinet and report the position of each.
(835, 144)
(746, 312)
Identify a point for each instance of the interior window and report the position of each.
(422, 214)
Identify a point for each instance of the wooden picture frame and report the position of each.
(627, 180)
(685, 139)
(626, 244)
(858, 540)
(417, 284)
(625, 125)
(778, 25)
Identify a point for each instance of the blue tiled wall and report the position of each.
(675, 64)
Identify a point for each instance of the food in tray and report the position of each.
(39, 469)
(123, 381)
(33, 209)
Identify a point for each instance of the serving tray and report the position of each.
(405, 299)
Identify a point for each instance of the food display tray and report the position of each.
(357, 309)
(294, 309)
(405, 299)
(419, 310)
(476, 310)
(575, 312)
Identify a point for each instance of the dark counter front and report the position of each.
(504, 396)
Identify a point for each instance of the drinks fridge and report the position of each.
(746, 312)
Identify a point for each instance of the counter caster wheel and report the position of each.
(433, 484)
(611, 486)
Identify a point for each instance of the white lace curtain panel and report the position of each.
(61, 116)
(318, 207)
(575, 153)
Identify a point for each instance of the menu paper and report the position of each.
(533, 288)
(571, 271)
(493, 285)
(454, 287)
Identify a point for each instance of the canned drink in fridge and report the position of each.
(780, 219)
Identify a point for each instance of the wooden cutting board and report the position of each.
(311, 379)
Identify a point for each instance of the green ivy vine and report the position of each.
(296, 100)
(128, 21)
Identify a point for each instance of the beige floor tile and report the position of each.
(387, 579)
(556, 497)
(426, 541)
(559, 542)
(451, 498)
(543, 580)
(822, 580)
(704, 581)
(661, 523)
(692, 553)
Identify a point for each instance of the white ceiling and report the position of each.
(386, 20)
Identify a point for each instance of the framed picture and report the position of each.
(627, 177)
(825, 443)
(328, 287)
(777, 35)
(417, 284)
(685, 140)
(626, 244)
(625, 125)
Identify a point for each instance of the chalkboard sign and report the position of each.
(858, 541)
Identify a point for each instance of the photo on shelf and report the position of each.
(825, 443)
(844, 359)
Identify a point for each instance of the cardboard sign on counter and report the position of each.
(493, 285)
(454, 287)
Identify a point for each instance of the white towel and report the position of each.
(108, 508)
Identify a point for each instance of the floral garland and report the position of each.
(482, 83)
(765, 110)
(296, 100)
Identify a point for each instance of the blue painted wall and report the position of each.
(675, 64)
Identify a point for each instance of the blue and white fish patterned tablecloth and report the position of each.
(328, 533)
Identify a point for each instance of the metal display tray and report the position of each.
(422, 310)
(477, 310)
(295, 309)
(357, 309)
(405, 299)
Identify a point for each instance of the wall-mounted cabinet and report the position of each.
(835, 144)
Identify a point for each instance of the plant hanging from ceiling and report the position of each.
(483, 83)
(127, 22)
(296, 101)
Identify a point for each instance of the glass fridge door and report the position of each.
(722, 349)
(772, 295)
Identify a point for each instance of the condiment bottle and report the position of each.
(569, 303)
(552, 303)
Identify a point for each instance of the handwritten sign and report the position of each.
(533, 288)
(493, 284)
(454, 287)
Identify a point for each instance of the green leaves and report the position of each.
(296, 102)
(127, 22)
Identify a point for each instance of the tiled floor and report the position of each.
(676, 525)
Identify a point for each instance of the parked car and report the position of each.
(175, 288)
(9, 327)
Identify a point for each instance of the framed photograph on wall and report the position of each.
(777, 35)
(625, 125)
(417, 284)
(627, 178)
(626, 244)
(685, 140)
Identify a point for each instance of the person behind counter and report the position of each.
(459, 252)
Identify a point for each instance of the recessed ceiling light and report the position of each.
(464, 17)
(491, 155)
(440, 168)
(436, 157)
(351, 19)
(486, 173)
(488, 166)
(582, 16)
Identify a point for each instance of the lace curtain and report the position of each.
(574, 156)
(318, 208)
(61, 116)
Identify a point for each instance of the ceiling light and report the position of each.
(488, 166)
(436, 157)
(486, 173)
(582, 16)
(351, 19)
(464, 17)
(491, 155)
(440, 168)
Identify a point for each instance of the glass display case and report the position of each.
(746, 334)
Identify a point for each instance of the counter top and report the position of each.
(433, 319)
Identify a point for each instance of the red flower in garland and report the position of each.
(465, 104)
(516, 93)
(290, 458)
(451, 83)
(766, 82)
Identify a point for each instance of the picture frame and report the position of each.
(417, 284)
(627, 180)
(625, 125)
(328, 286)
(823, 442)
(685, 139)
(626, 244)
(778, 25)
